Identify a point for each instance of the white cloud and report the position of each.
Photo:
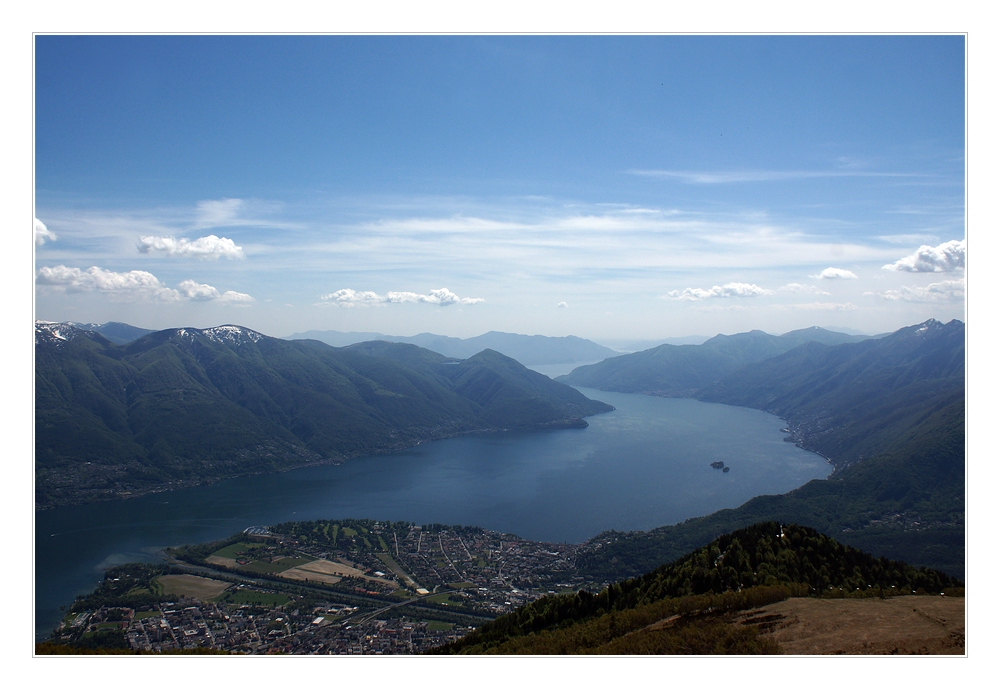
(944, 258)
(200, 292)
(835, 274)
(197, 292)
(441, 296)
(945, 291)
(236, 298)
(727, 290)
(43, 234)
(209, 247)
(562, 305)
(796, 288)
(129, 284)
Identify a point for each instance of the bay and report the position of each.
(642, 466)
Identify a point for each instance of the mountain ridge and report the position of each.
(528, 349)
(682, 370)
(186, 405)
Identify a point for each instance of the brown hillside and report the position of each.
(900, 625)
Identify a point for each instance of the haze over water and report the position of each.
(642, 466)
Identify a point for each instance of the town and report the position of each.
(321, 587)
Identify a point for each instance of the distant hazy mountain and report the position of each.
(680, 370)
(338, 338)
(115, 331)
(628, 346)
(185, 405)
(526, 349)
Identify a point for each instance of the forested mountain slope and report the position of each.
(184, 405)
(676, 608)
(855, 400)
(908, 504)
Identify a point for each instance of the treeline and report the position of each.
(130, 585)
(582, 624)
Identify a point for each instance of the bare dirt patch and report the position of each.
(222, 560)
(201, 588)
(310, 575)
(330, 571)
(899, 625)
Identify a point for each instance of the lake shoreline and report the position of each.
(642, 466)
(137, 492)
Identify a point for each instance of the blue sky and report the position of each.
(607, 187)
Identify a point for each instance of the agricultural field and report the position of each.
(201, 588)
(278, 566)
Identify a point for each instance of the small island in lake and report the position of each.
(718, 465)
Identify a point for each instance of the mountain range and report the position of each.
(529, 350)
(681, 370)
(187, 405)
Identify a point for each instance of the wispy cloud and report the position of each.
(835, 274)
(911, 238)
(562, 305)
(210, 247)
(219, 212)
(944, 258)
(737, 176)
(43, 234)
(945, 291)
(819, 306)
(800, 288)
(351, 298)
(720, 291)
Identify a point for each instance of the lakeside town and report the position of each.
(321, 587)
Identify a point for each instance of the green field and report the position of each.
(279, 567)
(461, 585)
(202, 588)
(232, 550)
(438, 626)
(147, 614)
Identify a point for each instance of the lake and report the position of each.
(642, 466)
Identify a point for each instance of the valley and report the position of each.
(886, 411)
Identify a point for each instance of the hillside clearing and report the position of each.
(899, 625)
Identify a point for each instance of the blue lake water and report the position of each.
(642, 466)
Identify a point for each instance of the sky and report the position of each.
(610, 187)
